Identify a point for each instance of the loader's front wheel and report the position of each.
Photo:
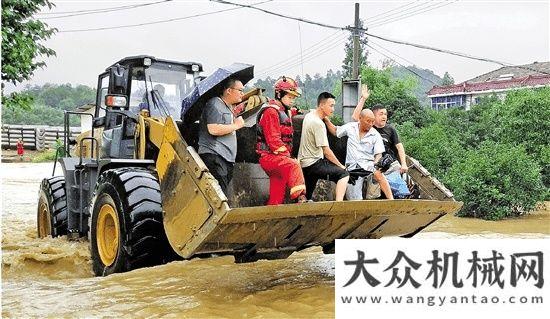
(108, 231)
(52, 208)
(126, 230)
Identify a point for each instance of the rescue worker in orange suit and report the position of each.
(274, 144)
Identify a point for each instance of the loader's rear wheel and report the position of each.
(126, 230)
(52, 208)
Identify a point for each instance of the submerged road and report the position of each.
(52, 277)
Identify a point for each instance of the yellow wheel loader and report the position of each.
(135, 185)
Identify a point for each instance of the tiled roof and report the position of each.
(465, 87)
(517, 71)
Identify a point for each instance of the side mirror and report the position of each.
(118, 80)
(115, 100)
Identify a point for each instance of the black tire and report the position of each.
(329, 249)
(131, 198)
(52, 208)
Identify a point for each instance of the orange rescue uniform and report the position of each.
(274, 145)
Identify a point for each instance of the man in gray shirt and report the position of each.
(217, 136)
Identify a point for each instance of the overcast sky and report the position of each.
(509, 31)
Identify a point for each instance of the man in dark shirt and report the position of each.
(393, 145)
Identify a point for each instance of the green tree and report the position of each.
(447, 79)
(36, 115)
(459, 122)
(310, 86)
(494, 157)
(496, 181)
(22, 45)
(347, 63)
(406, 108)
(48, 103)
(434, 146)
(426, 80)
(525, 121)
(266, 84)
(396, 94)
(519, 119)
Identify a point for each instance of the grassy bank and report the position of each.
(10, 156)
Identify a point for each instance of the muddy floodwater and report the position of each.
(52, 277)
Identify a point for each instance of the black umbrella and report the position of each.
(210, 86)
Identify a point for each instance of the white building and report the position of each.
(497, 82)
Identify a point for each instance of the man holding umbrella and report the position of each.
(217, 135)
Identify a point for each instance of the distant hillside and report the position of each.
(311, 86)
(423, 85)
(48, 103)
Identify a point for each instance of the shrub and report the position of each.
(405, 108)
(457, 122)
(525, 121)
(434, 146)
(496, 181)
(49, 154)
(397, 95)
(45, 156)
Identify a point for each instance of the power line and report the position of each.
(279, 14)
(419, 7)
(509, 64)
(309, 58)
(407, 68)
(386, 12)
(391, 16)
(349, 28)
(395, 54)
(105, 10)
(295, 64)
(425, 47)
(158, 22)
(87, 10)
(292, 64)
(308, 49)
(410, 14)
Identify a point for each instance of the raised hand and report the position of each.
(365, 91)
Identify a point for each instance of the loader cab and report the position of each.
(148, 84)
(137, 84)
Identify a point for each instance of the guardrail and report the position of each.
(35, 137)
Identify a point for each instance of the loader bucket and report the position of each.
(198, 219)
(291, 227)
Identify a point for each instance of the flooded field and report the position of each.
(53, 277)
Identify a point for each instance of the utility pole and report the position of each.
(351, 87)
(355, 65)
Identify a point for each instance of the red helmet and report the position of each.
(287, 85)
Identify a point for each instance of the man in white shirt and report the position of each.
(364, 149)
(316, 158)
